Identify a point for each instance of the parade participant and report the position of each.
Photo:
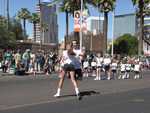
(99, 61)
(137, 69)
(93, 65)
(68, 65)
(107, 62)
(114, 66)
(80, 55)
(122, 69)
(128, 69)
(85, 68)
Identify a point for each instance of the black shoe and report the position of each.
(79, 96)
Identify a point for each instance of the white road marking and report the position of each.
(3, 107)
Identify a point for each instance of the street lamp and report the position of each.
(112, 48)
(40, 24)
(8, 14)
(81, 18)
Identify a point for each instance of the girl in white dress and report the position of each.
(137, 69)
(99, 62)
(85, 68)
(68, 66)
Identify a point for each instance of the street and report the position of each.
(29, 94)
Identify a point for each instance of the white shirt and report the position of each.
(123, 67)
(85, 64)
(128, 67)
(70, 59)
(114, 66)
(136, 67)
(99, 61)
(107, 61)
(77, 61)
(65, 58)
(93, 63)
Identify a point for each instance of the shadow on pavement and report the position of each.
(89, 93)
(83, 93)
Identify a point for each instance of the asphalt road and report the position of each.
(28, 94)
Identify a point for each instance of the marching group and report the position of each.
(75, 64)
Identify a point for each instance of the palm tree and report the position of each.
(141, 11)
(35, 18)
(24, 14)
(44, 28)
(104, 6)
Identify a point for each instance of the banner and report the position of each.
(77, 20)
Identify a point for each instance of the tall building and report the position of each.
(147, 27)
(125, 24)
(95, 24)
(146, 44)
(48, 33)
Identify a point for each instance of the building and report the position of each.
(125, 24)
(48, 33)
(95, 24)
(129, 23)
(146, 43)
(91, 43)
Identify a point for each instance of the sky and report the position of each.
(122, 7)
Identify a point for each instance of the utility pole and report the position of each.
(81, 24)
(7, 14)
(40, 24)
(112, 48)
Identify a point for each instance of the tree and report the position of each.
(8, 37)
(24, 14)
(141, 4)
(126, 45)
(44, 28)
(35, 18)
(16, 28)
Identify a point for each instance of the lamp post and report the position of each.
(40, 24)
(8, 14)
(91, 45)
(112, 48)
(81, 18)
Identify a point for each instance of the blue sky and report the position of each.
(122, 7)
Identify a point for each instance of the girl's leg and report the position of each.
(99, 74)
(60, 84)
(109, 74)
(72, 75)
